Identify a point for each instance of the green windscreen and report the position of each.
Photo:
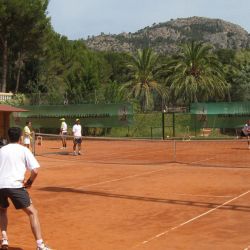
(90, 115)
(220, 115)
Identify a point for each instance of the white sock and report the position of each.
(39, 243)
(4, 235)
(5, 242)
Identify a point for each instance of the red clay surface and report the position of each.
(125, 195)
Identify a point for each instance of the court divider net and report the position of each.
(233, 153)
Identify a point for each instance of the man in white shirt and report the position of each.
(245, 132)
(77, 132)
(15, 159)
(63, 132)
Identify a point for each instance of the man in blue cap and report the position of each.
(77, 132)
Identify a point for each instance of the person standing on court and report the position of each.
(77, 133)
(15, 159)
(27, 134)
(245, 132)
(63, 132)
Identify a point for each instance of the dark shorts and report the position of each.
(77, 140)
(19, 197)
(243, 135)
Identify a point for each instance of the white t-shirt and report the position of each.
(246, 129)
(64, 127)
(77, 131)
(15, 159)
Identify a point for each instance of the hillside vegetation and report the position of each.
(166, 37)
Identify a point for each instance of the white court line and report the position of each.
(123, 178)
(21, 246)
(191, 220)
(138, 175)
(155, 171)
(207, 159)
(203, 195)
(115, 180)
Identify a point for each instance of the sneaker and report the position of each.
(5, 244)
(44, 247)
(74, 153)
(79, 152)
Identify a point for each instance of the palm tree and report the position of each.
(143, 86)
(196, 74)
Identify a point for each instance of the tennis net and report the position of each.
(218, 153)
(215, 153)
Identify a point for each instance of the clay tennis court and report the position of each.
(142, 195)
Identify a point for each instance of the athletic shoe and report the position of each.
(74, 153)
(43, 247)
(5, 244)
(79, 153)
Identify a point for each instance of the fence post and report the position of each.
(173, 124)
(163, 124)
(174, 150)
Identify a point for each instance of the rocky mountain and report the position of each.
(165, 37)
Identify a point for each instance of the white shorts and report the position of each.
(26, 141)
(64, 134)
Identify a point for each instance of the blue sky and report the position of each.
(81, 18)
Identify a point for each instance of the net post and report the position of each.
(33, 143)
(39, 140)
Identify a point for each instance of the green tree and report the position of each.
(61, 68)
(196, 74)
(69, 71)
(238, 74)
(84, 80)
(142, 84)
(22, 26)
(118, 71)
(112, 93)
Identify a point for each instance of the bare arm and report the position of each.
(33, 174)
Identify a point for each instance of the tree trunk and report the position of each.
(229, 95)
(5, 65)
(18, 79)
(19, 68)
